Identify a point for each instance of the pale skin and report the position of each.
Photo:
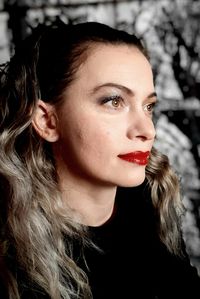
(107, 111)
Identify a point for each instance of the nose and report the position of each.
(141, 127)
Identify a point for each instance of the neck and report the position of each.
(92, 203)
(93, 207)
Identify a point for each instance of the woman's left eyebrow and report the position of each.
(121, 87)
(152, 95)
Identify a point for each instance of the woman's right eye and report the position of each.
(113, 101)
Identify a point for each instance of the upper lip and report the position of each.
(136, 154)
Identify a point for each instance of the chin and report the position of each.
(133, 181)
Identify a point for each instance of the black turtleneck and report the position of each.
(133, 263)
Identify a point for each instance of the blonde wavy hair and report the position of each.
(35, 228)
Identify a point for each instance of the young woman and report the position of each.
(88, 208)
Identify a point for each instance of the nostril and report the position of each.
(142, 138)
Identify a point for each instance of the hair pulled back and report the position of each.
(35, 227)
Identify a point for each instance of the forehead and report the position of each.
(115, 63)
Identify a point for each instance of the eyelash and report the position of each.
(117, 98)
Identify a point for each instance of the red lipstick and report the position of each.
(138, 157)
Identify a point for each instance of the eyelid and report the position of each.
(107, 99)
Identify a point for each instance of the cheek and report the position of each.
(90, 138)
(100, 137)
(96, 142)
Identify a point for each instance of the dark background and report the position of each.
(171, 31)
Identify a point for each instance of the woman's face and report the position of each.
(107, 112)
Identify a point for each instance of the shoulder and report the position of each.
(179, 274)
(164, 268)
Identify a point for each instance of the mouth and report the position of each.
(139, 157)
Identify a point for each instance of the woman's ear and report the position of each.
(45, 121)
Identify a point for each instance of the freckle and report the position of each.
(108, 133)
(79, 134)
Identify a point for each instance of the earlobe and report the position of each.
(45, 121)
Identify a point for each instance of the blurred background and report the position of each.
(171, 32)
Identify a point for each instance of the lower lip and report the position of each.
(139, 158)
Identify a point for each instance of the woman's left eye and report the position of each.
(149, 107)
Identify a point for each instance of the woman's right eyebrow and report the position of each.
(115, 85)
